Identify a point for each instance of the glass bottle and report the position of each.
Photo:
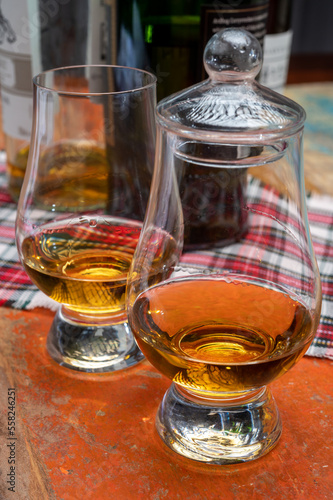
(169, 37)
(16, 89)
(37, 36)
(277, 45)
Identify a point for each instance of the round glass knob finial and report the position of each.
(232, 54)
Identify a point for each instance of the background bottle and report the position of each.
(35, 36)
(2, 137)
(169, 37)
(277, 45)
(16, 88)
(163, 37)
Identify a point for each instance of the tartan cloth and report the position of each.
(17, 291)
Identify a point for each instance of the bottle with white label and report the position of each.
(277, 45)
(36, 36)
(16, 88)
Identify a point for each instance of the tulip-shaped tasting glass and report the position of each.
(82, 204)
(224, 293)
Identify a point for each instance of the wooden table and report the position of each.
(86, 437)
(82, 436)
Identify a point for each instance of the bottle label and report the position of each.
(15, 70)
(253, 19)
(276, 60)
(16, 115)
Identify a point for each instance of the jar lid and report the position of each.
(231, 106)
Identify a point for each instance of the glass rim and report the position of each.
(129, 69)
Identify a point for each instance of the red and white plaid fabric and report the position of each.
(17, 291)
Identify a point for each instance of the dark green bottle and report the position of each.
(168, 37)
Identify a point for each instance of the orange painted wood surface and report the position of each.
(83, 436)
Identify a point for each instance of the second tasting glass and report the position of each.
(82, 204)
(224, 292)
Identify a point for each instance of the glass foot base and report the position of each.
(212, 434)
(92, 348)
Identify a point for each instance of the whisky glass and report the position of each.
(82, 204)
(224, 293)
